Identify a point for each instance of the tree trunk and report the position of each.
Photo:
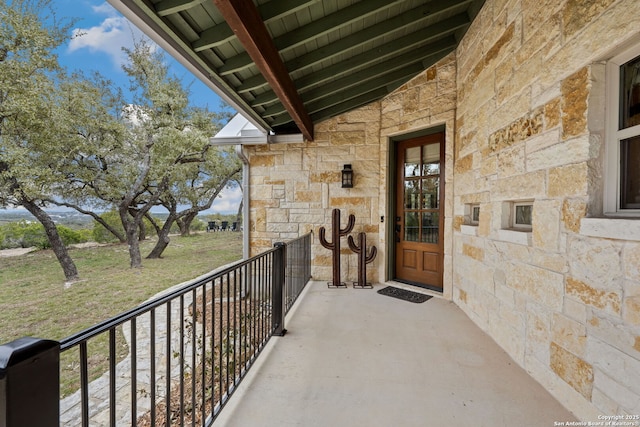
(153, 222)
(134, 246)
(67, 264)
(163, 239)
(185, 224)
(131, 231)
(142, 231)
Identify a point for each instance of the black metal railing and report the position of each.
(187, 351)
(297, 268)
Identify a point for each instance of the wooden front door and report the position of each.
(419, 208)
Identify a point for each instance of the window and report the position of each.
(475, 214)
(472, 214)
(516, 220)
(622, 168)
(521, 215)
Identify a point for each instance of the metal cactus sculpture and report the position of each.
(334, 246)
(363, 259)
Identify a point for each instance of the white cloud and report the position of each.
(113, 33)
(105, 9)
(228, 201)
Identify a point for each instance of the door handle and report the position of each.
(398, 230)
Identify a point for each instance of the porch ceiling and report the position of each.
(288, 64)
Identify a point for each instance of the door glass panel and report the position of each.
(430, 223)
(411, 194)
(412, 162)
(411, 226)
(431, 159)
(430, 193)
(421, 193)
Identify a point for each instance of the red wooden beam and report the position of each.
(245, 21)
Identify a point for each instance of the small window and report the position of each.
(475, 214)
(471, 214)
(521, 215)
(622, 178)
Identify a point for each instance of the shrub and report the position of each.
(70, 236)
(101, 234)
(198, 225)
(25, 234)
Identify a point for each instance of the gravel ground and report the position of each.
(6, 253)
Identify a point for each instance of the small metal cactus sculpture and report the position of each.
(334, 246)
(363, 259)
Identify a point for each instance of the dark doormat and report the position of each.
(403, 294)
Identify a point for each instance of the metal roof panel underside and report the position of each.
(322, 57)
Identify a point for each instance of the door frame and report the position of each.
(392, 193)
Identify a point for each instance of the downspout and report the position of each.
(245, 200)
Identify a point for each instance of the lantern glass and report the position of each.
(347, 177)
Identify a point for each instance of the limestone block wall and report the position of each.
(564, 299)
(294, 187)
(426, 102)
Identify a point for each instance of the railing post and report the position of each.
(277, 296)
(30, 383)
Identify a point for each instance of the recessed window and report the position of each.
(475, 214)
(622, 178)
(471, 214)
(521, 215)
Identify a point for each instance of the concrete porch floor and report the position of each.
(353, 357)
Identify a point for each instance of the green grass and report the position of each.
(35, 302)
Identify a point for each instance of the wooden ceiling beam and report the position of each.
(392, 49)
(430, 11)
(168, 7)
(400, 68)
(212, 37)
(313, 30)
(245, 21)
(421, 36)
(349, 87)
(221, 33)
(359, 101)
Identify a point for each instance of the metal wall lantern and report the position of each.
(347, 177)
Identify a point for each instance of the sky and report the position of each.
(100, 33)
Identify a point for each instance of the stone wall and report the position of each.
(295, 187)
(426, 102)
(562, 300)
(522, 104)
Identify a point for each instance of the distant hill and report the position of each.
(68, 218)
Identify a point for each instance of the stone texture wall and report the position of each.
(563, 301)
(522, 104)
(426, 102)
(295, 187)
